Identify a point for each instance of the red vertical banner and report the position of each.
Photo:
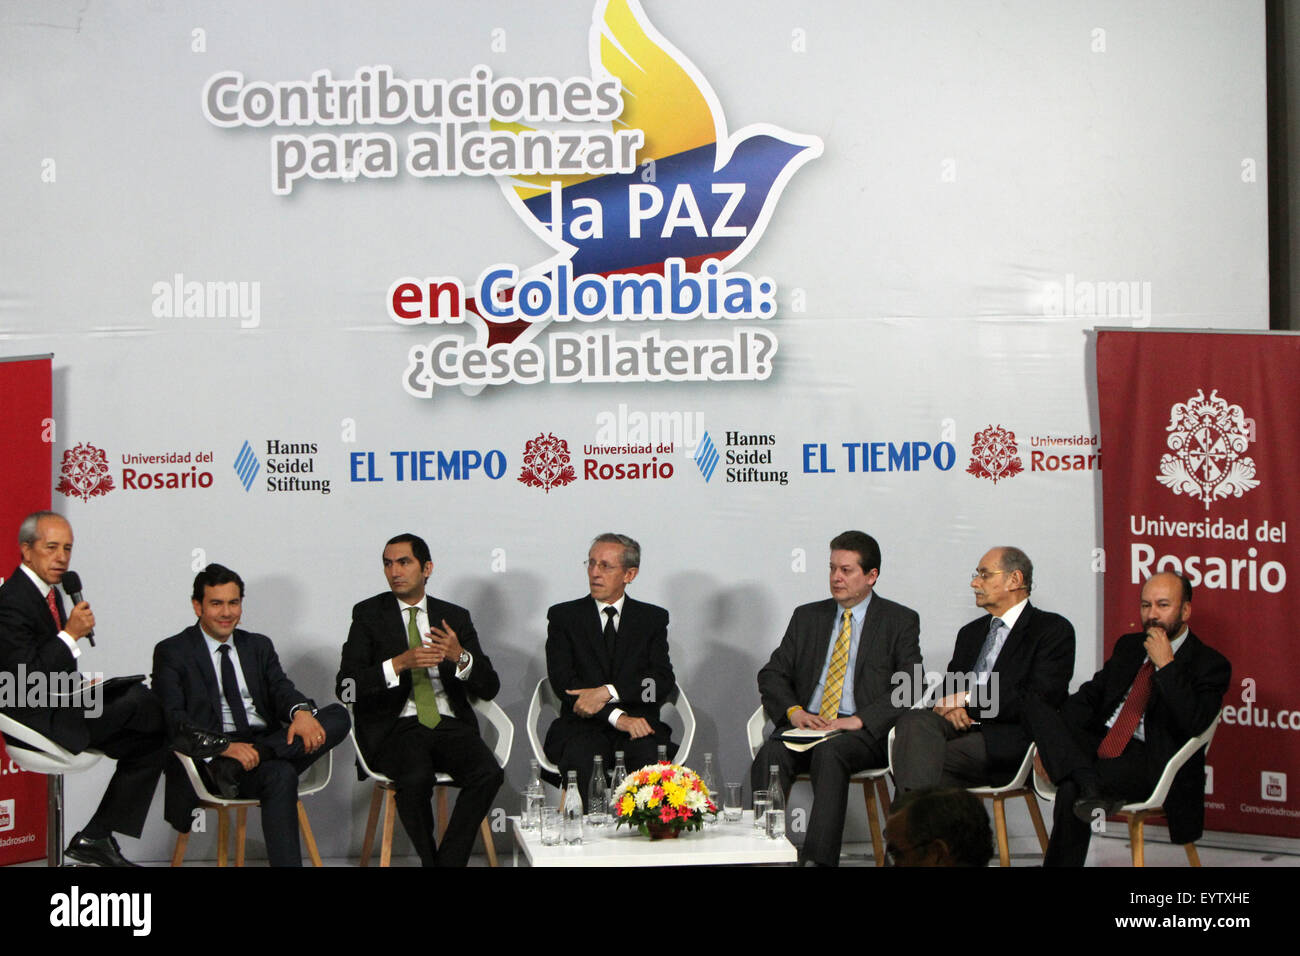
(26, 440)
(1203, 433)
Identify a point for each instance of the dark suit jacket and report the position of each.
(889, 645)
(1037, 658)
(1186, 695)
(186, 681)
(378, 634)
(29, 637)
(576, 657)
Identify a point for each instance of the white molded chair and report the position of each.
(39, 754)
(314, 778)
(1136, 814)
(545, 698)
(1017, 786)
(501, 738)
(875, 786)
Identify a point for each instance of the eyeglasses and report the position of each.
(901, 855)
(591, 564)
(984, 575)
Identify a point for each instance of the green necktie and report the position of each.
(426, 702)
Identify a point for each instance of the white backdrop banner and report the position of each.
(729, 278)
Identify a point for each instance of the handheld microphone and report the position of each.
(72, 587)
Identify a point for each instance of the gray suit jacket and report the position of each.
(890, 644)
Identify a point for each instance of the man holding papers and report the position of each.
(834, 672)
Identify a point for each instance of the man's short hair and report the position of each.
(631, 550)
(1013, 559)
(213, 576)
(27, 533)
(866, 547)
(418, 546)
(952, 815)
(1187, 588)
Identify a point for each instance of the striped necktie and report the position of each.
(838, 666)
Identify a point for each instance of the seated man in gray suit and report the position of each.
(835, 671)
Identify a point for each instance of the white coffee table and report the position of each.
(724, 844)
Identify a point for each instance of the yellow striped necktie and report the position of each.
(835, 673)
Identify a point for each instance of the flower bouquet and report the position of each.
(663, 799)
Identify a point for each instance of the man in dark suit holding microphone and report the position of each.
(40, 644)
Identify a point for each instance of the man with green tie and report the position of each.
(409, 666)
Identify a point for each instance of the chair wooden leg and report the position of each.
(882, 797)
(368, 841)
(307, 835)
(182, 841)
(1135, 838)
(390, 817)
(1037, 818)
(1193, 858)
(223, 836)
(440, 795)
(873, 821)
(241, 828)
(485, 829)
(1000, 825)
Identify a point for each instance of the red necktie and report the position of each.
(54, 607)
(1121, 732)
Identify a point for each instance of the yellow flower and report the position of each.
(627, 806)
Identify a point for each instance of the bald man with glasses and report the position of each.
(974, 736)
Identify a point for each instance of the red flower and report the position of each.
(667, 813)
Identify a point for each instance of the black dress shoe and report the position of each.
(1091, 800)
(193, 742)
(101, 852)
(225, 772)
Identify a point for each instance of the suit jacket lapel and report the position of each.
(1017, 636)
(594, 634)
(395, 624)
(1127, 669)
(870, 621)
(627, 626)
(252, 669)
(826, 617)
(35, 599)
(198, 651)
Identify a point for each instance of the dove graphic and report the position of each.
(711, 194)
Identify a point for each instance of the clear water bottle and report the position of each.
(572, 810)
(774, 822)
(598, 795)
(616, 778)
(662, 753)
(534, 797)
(710, 781)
